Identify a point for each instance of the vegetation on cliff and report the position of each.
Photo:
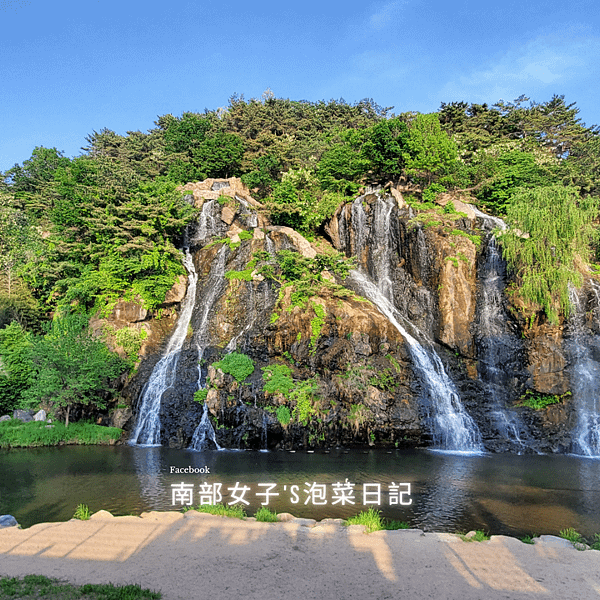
(77, 235)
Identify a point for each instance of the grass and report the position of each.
(480, 536)
(371, 519)
(82, 512)
(222, 510)
(266, 515)
(528, 539)
(574, 537)
(16, 434)
(33, 587)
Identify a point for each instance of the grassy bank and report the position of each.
(33, 587)
(16, 434)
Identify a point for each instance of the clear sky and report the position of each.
(68, 68)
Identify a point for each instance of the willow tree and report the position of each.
(548, 244)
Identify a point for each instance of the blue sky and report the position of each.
(69, 68)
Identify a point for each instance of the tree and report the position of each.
(71, 367)
(432, 153)
(550, 235)
(15, 366)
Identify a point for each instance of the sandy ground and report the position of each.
(194, 555)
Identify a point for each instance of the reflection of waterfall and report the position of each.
(584, 352)
(498, 346)
(149, 470)
(147, 430)
(448, 490)
(452, 427)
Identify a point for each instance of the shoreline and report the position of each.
(182, 554)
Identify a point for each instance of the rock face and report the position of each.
(352, 364)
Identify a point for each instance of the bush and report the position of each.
(236, 364)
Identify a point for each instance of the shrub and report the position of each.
(278, 379)
(284, 416)
(236, 364)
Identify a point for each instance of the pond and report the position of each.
(499, 493)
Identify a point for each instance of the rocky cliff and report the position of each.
(416, 342)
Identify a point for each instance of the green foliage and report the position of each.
(200, 396)
(278, 379)
(16, 434)
(236, 364)
(15, 366)
(32, 587)
(539, 401)
(432, 192)
(265, 515)
(371, 519)
(384, 380)
(506, 171)
(476, 239)
(528, 539)
(432, 154)
(82, 512)
(284, 416)
(299, 202)
(70, 366)
(480, 536)
(303, 395)
(559, 231)
(130, 340)
(317, 323)
(359, 415)
(235, 511)
(246, 274)
(574, 537)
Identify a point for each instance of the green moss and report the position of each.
(476, 239)
(245, 275)
(539, 401)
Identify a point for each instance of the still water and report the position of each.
(501, 493)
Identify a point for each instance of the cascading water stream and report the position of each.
(583, 350)
(214, 287)
(147, 430)
(498, 346)
(453, 429)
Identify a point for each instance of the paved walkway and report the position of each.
(193, 555)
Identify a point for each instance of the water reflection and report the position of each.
(501, 493)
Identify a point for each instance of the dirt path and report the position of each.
(194, 555)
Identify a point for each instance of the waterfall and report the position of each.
(213, 288)
(584, 352)
(498, 345)
(452, 428)
(147, 430)
(203, 433)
